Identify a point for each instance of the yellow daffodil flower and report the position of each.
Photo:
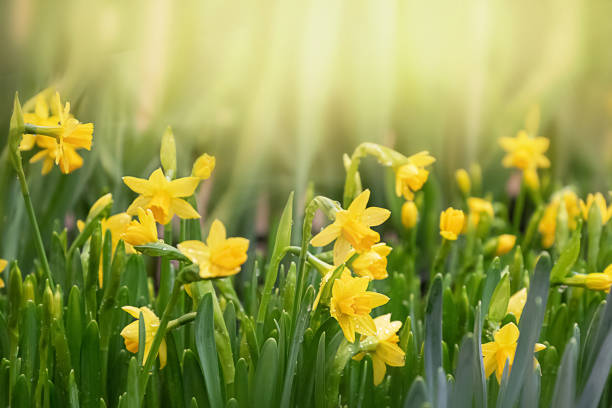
(451, 223)
(548, 224)
(162, 196)
(411, 175)
(386, 351)
(572, 207)
(410, 214)
(599, 200)
(600, 281)
(203, 166)
(352, 227)
(142, 231)
(517, 303)
(130, 332)
(505, 243)
(527, 154)
(351, 304)
(220, 256)
(463, 181)
(478, 207)
(3, 263)
(373, 263)
(502, 349)
(40, 116)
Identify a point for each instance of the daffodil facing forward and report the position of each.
(352, 227)
(131, 332)
(162, 196)
(527, 154)
(220, 256)
(351, 304)
(142, 231)
(496, 353)
(451, 223)
(411, 175)
(383, 347)
(373, 263)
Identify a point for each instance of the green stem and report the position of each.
(345, 352)
(441, 255)
(518, 209)
(38, 242)
(182, 320)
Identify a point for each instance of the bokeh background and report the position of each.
(279, 90)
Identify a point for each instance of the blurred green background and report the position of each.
(279, 90)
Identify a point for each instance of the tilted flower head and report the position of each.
(162, 196)
(203, 166)
(502, 349)
(505, 243)
(451, 223)
(410, 214)
(600, 281)
(351, 304)
(352, 227)
(220, 256)
(478, 207)
(548, 224)
(524, 152)
(142, 231)
(600, 202)
(373, 263)
(131, 335)
(386, 351)
(411, 175)
(517, 303)
(3, 263)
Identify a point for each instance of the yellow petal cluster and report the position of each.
(451, 223)
(505, 243)
(479, 207)
(386, 352)
(517, 303)
(502, 349)
(142, 231)
(600, 202)
(162, 196)
(3, 263)
(70, 136)
(220, 256)
(373, 263)
(547, 226)
(411, 175)
(130, 333)
(351, 304)
(203, 166)
(351, 228)
(410, 214)
(524, 152)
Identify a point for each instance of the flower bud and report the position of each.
(505, 243)
(463, 181)
(410, 214)
(167, 153)
(451, 223)
(203, 166)
(598, 281)
(16, 130)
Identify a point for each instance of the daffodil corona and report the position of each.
(220, 256)
(162, 196)
(351, 304)
(383, 347)
(352, 227)
(130, 333)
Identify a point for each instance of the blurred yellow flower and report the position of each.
(373, 263)
(463, 181)
(548, 224)
(131, 333)
(517, 303)
(571, 201)
(386, 351)
(410, 214)
(524, 152)
(142, 231)
(162, 196)
(479, 206)
(203, 166)
(3, 263)
(600, 202)
(100, 204)
(411, 175)
(600, 281)
(352, 227)
(351, 304)
(502, 349)
(505, 243)
(451, 223)
(220, 256)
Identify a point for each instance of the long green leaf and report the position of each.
(207, 351)
(264, 383)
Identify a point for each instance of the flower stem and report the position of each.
(179, 321)
(345, 352)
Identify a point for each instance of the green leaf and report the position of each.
(173, 374)
(163, 250)
(132, 384)
(464, 386)
(74, 327)
(568, 257)
(594, 233)
(29, 339)
(264, 383)
(319, 373)
(598, 377)
(57, 261)
(565, 387)
(207, 351)
(242, 383)
(417, 395)
(22, 397)
(91, 377)
(433, 334)
(500, 298)
(195, 387)
(326, 291)
(73, 392)
(493, 277)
